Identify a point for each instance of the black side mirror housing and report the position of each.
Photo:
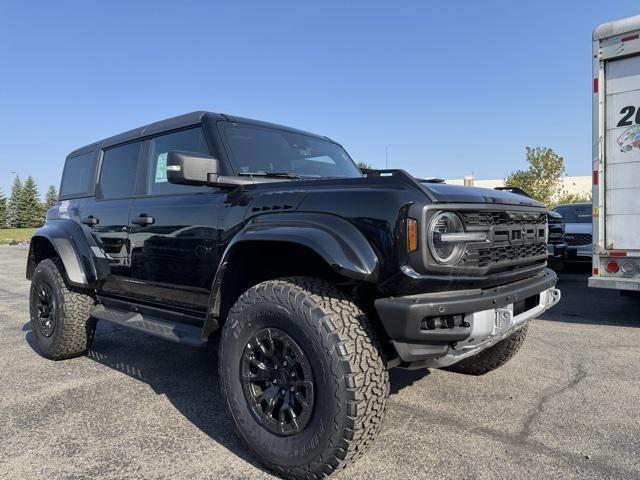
(190, 168)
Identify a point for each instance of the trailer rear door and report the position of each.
(622, 159)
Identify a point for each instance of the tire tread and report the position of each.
(76, 328)
(342, 328)
(493, 357)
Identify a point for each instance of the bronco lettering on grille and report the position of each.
(513, 237)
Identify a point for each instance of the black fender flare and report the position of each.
(83, 260)
(342, 246)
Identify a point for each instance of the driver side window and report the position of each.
(191, 140)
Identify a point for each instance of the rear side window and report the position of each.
(118, 171)
(77, 177)
(191, 140)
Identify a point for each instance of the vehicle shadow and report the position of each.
(186, 376)
(401, 378)
(575, 267)
(591, 306)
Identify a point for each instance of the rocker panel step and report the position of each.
(175, 332)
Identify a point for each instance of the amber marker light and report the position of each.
(412, 235)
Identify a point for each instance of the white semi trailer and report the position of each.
(616, 155)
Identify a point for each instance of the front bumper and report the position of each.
(440, 327)
(579, 253)
(557, 251)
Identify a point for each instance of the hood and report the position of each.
(444, 193)
(400, 180)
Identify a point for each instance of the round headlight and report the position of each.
(443, 250)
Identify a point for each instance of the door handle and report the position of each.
(143, 219)
(90, 220)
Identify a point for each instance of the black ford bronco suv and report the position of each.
(313, 277)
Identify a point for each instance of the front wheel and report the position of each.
(303, 376)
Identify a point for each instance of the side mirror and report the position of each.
(190, 168)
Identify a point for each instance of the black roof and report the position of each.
(174, 123)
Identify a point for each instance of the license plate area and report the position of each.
(526, 304)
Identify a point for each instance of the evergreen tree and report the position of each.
(3, 210)
(29, 207)
(14, 200)
(50, 198)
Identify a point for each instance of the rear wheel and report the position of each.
(303, 376)
(493, 357)
(60, 315)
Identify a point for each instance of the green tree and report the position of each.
(566, 197)
(29, 213)
(543, 179)
(362, 165)
(50, 198)
(14, 200)
(3, 210)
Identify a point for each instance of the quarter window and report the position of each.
(78, 175)
(191, 140)
(118, 171)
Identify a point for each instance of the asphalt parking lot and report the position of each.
(566, 406)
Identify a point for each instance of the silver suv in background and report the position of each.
(578, 230)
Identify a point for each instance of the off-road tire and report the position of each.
(493, 357)
(352, 383)
(74, 329)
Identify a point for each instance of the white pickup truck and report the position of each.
(616, 155)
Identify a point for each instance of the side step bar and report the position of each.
(175, 332)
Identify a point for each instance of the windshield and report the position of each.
(578, 213)
(268, 150)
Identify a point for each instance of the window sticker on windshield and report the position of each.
(161, 168)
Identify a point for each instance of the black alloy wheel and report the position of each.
(303, 376)
(46, 309)
(277, 382)
(60, 314)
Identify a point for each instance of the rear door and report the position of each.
(622, 153)
(107, 214)
(173, 231)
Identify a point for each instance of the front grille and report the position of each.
(515, 238)
(556, 233)
(556, 239)
(556, 230)
(472, 219)
(484, 257)
(577, 239)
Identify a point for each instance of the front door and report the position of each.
(174, 229)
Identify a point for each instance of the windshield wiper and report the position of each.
(271, 174)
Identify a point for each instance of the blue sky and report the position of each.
(450, 88)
